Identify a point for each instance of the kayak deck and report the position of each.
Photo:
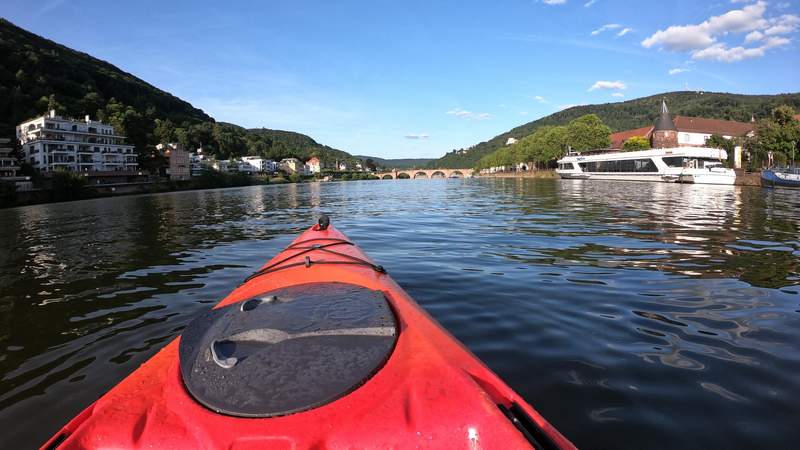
(429, 392)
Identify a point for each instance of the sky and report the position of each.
(415, 79)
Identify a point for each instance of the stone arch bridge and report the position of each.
(424, 174)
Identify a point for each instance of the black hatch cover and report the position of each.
(287, 350)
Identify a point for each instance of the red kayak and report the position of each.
(319, 348)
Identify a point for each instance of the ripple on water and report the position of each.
(656, 312)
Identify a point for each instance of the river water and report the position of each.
(631, 315)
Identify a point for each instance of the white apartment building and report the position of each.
(52, 142)
(258, 164)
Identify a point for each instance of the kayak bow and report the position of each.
(318, 349)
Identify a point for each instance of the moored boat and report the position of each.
(680, 164)
(781, 177)
(319, 348)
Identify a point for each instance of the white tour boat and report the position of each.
(679, 164)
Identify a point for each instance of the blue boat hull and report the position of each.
(771, 178)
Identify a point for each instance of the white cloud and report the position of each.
(48, 6)
(617, 94)
(624, 31)
(608, 85)
(589, 3)
(723, 53)
(417, 136)
(703, 35)
(784, 24)
(464, 114)
(554, 2)
(753, 36)
(677, 71)
(608, 26)
(540, 99)
(568, 106)
(703, 42)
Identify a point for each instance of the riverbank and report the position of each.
(74, 188)
(522, 174)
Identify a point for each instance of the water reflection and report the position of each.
(650, 311)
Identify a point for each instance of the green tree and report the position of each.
(636, 143)
(91, 103)
(50, 103)
(729, 145)
(587, 133)
(230, 143)
(164, 132)
(779, 134)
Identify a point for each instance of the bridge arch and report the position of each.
(420, 174)
(456, 174)
(387, 176)
(403, 176)
(438, 174)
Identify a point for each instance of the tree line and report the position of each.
(632, 114)
(776, 136)
(549, 143)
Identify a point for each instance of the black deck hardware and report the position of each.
(323, 222)
(287, 350)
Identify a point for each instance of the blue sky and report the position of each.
(419, 78)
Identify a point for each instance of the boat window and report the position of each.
(626, 165)
(673, 161)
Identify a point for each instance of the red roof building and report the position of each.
(618, 139)
(692, 131)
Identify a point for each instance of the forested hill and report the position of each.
(33, 68)
(401, 163)
(279, 144)
(37, 75)
(635, 113)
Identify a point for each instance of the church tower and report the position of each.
(665, 135)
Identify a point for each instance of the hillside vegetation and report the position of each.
(37, 75)
(401, 163)
(33, 68)
(634, 114)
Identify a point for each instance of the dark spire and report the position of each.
(664, 121)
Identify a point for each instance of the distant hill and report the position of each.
(407, 163)
(279, 144)
(32, 67)
(634, 114)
